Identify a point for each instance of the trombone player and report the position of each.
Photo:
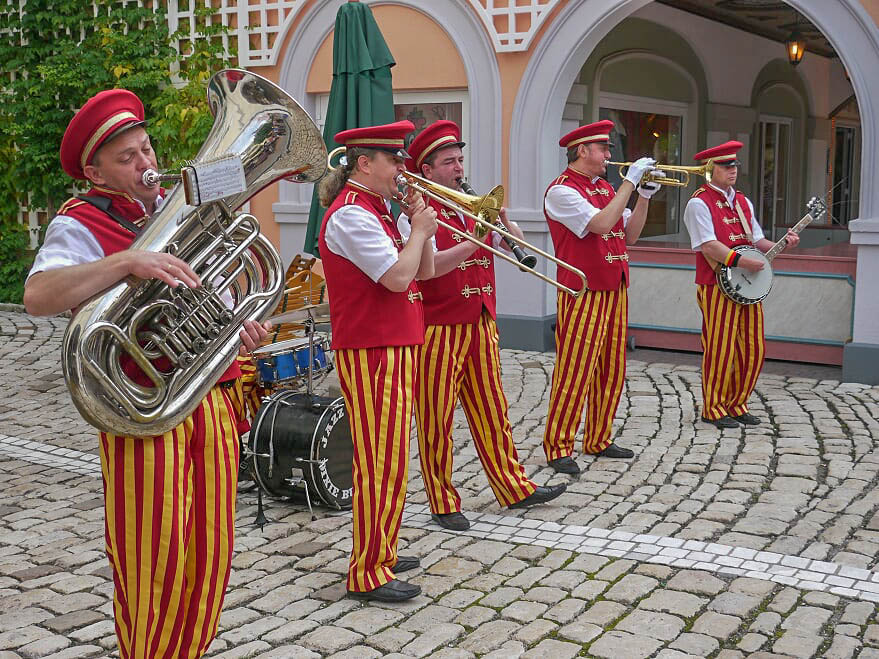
(378, 323)
(460, 359)
(590, 227)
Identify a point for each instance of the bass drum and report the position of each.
(296, 435)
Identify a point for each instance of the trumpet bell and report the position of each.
(663, 179)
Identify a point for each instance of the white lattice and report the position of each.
(512, 24)
(257, 24)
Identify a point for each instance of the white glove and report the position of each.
(638, 168)
(649, 188)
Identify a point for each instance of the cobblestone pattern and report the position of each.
(802, 484)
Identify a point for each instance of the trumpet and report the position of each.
(684, 171)
(484, 211)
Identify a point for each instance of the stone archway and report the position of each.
(577, 30)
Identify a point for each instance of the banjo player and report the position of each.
(719, 218)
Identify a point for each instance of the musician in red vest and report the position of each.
(460, 358)
(732, 333)
(590, 228)
(169, 499)
(378, 323)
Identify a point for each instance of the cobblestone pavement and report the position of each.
(726, 544)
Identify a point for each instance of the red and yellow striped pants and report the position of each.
(464, 360)
(590, 363)
(170, 523)
(377, 384)
(733, 350)
(247, 394)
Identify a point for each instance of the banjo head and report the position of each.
(743, 286)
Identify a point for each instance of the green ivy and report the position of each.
(14, 261)
(55, 55)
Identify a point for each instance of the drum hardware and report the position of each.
(307, 448)
(308, 312)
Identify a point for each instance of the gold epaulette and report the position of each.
(699, 191)
(561, 179)
(350, 197)
(73, 202)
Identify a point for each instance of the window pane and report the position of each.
(638, 134)
(781, 179)
(424, 114)
(767, 176)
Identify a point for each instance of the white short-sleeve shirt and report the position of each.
(568, 207)
(700, 226)
(68, 242)
(355, 234)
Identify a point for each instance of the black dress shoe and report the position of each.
(614, 451)
(540, 495)
(722, 422)
(451, 521)
(747, 419)
(393, 591)
(565, 465)
(406, 563)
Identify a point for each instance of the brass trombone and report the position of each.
(684, 171)
(484, 210)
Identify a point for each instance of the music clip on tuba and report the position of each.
(183, 339)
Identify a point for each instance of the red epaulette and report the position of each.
(699, 191)
(561, 179)
(350, 197)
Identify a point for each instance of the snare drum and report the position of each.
(296, 436)
(284, 361)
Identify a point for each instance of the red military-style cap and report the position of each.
(438, 135)
(597, 132)
(387, 137)
(724, 154)
(104, 116)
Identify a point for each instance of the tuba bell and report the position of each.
(183, 339)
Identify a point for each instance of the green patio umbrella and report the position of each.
(361, 93)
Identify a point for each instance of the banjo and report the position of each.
(746, 287)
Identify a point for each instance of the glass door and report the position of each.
(774, 174)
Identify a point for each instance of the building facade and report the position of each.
(518, 75)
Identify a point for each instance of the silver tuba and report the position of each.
(183, 339)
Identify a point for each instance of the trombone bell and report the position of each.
(485, 210)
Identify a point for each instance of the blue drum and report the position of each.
(287, 361)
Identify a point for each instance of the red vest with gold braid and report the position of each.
(113, 237)
(457, 298)
(602, 257)
(728, 227)
(364, 313)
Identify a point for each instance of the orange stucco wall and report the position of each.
(415, 42)
(426, 57)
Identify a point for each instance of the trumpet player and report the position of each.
(733, 346)
(590, 227)
(169, 500)
(460, 359)
(378, 323)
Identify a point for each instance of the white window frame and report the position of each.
(646, 105)
(768, 226)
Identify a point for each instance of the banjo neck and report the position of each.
(777, 248)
